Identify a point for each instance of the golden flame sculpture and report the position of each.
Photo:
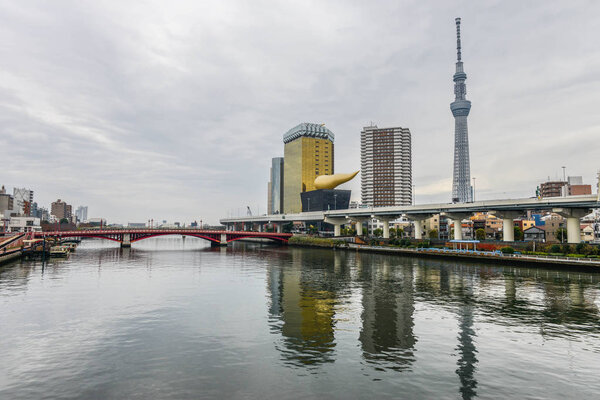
(332, 181)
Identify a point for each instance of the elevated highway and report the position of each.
(573, 208)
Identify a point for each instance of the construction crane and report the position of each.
(249, 212)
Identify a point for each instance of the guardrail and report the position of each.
(490, 254)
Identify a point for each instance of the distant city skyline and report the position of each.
(174, 111)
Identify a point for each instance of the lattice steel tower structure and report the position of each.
(462, 192)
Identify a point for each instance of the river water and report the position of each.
(176, 319)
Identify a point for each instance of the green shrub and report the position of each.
(555, 248)
(566, 249)
(507, 250)
(312, 241)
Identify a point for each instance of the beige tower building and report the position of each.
(308, 153)
(386, 166)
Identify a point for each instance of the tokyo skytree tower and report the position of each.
(462, 191)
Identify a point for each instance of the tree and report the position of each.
(561, 234)
(64, 221)
(518, 233)
(480, 234)
(399, 232)
(433, 234)
(378, 232)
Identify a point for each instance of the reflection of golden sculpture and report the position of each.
(332, 181)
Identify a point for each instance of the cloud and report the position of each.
(174, 110)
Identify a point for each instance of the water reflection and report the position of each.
(302, 301)
(466, 348)
(387, 337)
(348, 319)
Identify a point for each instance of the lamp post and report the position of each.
(308, 198)
(335, 201)
(564, 188)
(474, 188)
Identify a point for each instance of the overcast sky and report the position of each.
(173, 109)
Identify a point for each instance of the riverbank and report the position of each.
(485, 256)
(9, 256)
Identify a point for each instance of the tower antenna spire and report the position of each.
(462, 191)
(458, 54)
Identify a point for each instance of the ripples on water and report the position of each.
(177, 319)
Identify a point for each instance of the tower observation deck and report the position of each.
(462, 192)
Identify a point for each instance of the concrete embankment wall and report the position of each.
(494, 259)
(10, 256)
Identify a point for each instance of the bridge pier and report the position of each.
(457, 222)
(386, 225)
(337, 225)
(418, 223)
(508, 226)
(573, 216)
(221, 242)
(126, 242)
(358, 225)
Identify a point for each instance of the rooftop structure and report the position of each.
(307, 129)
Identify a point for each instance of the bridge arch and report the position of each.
(148, 236)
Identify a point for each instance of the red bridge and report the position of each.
(128, 236)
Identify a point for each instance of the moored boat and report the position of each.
(59, 251)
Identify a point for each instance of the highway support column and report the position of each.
(573, 216)
(508, 226)
(337, 225)
(457, 222)
(358, 222)
(418, 223)
(386, 225)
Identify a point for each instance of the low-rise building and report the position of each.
(24, 224)
(524, 224)
(534, 234)
(587, 233)
(96, 222)
(552, 223)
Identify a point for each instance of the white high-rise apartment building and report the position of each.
(386, 166)
(81, 213)
(21, 197)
